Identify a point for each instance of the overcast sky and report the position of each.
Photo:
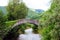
(34, 4)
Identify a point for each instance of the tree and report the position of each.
(50, 22)
(2, 24)
(16, 10)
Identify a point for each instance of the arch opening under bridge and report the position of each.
(11, 35)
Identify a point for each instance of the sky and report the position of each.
(33, 4)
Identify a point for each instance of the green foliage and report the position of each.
(16, 11)
(9, 24)
(2, 17)
(33, 14)
(50, 22)
(25, 26)
(2, 23)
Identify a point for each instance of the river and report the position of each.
(29, 35)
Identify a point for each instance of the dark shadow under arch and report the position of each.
(11, 35)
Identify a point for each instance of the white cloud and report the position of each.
(3, 2)
(38, 4)
(34, 4)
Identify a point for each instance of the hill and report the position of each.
(33, 14)
(3, 8)
(39, 10)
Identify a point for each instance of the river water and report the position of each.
(29, 35)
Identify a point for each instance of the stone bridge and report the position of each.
(11, 35)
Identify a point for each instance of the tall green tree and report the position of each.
(16, 10)
(50, 22)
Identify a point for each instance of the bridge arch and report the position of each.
(12, 32)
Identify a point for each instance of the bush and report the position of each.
(50, 22)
